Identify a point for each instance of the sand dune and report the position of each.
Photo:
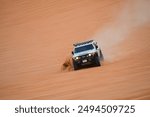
(36, 39)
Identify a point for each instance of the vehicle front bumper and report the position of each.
(84, 60)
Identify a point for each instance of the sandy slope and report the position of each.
(37, 37)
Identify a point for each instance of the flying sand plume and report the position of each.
(131, 17)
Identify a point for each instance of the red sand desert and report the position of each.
(36, 38)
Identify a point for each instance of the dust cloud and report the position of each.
(131, 17)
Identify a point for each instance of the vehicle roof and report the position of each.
(84, 43)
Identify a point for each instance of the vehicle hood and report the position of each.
(84, 53)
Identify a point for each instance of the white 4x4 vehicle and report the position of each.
(86, 53)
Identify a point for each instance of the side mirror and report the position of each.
(72, 53)
(96, 46)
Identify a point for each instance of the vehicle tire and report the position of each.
(75, 66)
(97, 61)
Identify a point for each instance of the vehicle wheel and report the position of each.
(75, 66)
(97, 61)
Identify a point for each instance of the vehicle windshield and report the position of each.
(84, 48)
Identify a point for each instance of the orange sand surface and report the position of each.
(36, 38)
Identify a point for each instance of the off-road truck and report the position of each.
(86, 53)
